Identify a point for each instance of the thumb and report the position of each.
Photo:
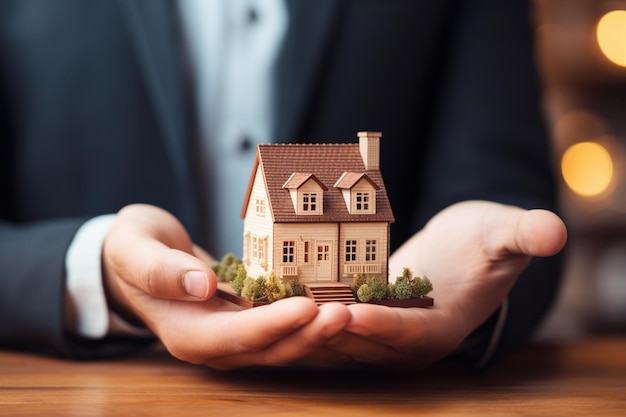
(525, 232)
(165, 272)
(135, 252)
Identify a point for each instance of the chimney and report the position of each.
(369, 145)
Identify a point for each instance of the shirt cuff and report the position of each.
(84, 286)
(84, 277)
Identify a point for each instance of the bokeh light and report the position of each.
(611, 36)
(587, 168)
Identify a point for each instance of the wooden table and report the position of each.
(583, 378)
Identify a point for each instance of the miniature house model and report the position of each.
(317, 212)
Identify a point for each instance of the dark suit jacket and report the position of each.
(95, 114)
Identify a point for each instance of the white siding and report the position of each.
(313, 233)
(361, 232)
(259, 226)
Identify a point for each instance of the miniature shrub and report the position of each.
(262, 283)
(407, 274)
(421, 287)
(294, 288)
(364, 293)
(254, 289)
(249, 289)
(239, 278)
(274, 288)
(391, 290)
(357, 281)
(404, 289)
(288, 289)
(226, 269)
(378, 287)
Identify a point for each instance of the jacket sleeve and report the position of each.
(32, 293)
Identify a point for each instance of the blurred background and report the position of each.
(582, 58)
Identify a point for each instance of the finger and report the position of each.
(156, 269)
(206, 337)
(392, 335)
(542, 233)
(359, 349)
(289, 348)
(330, 320)
(532, 232)
(398, 327)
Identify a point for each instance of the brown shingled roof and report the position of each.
(327, 162)
(297, 179)
(350, 179)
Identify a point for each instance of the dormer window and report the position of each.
(362, 201)
(359, 192)
(309, 202)
(307, 193)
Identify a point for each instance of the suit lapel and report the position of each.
(312, 25)
(152, 27)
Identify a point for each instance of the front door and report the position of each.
(323, 260)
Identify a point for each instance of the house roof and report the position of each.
(297, 179)
(327, 163)
(350, 179)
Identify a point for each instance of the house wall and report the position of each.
(258, 225)
(361, 232)
(316, 234)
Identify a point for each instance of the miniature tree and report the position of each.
(379, 288)
(294, 288)
(226, 269)
(238, 280)
(254, 289)
(404, 289)
(357, 281)
(421, 287)
(364, 293)
(274, 288)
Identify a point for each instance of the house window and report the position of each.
(306, 252)
(350, 250)
(255, 247)
(362, 201)
(289, 248)
(309, 202)
(260, 207)
(261, 250)
(370, 250)
(258, 249)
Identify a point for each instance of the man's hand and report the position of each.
(154, 275)
(472, 252)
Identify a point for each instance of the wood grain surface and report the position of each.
(577, 379)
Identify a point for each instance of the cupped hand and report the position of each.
(155, 276)
(472, 252)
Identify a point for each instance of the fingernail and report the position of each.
(196, 284)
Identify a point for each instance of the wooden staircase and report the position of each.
(330, 292)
